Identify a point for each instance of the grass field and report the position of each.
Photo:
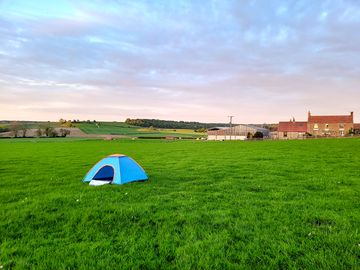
(207, 205)
(119, 128)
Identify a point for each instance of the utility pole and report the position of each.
(230, 124)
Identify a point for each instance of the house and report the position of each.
(238, 132)
(330, 125)
(292, 130)
(318, 125)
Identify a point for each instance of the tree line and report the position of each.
(19, 129)
(170, 124)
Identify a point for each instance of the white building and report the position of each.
(238, 132)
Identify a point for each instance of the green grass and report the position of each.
(207, 205)
(119, 128)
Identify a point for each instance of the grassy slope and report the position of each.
(270, 205)
(118, 128)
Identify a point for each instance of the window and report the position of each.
(285, 133)
(316, 126)
(326, 126)
(341, 126)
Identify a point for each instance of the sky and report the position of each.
(260, 61)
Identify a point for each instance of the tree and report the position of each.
(62, 121)
(64, 132)
(48, 131)
(39, 132)
(24, 131)
(258, 135)
(15, 128)
(53, 133)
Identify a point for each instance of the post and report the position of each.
(230, 124)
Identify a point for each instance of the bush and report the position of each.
(258, 135)
(200, 130)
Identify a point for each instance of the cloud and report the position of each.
(202, 60)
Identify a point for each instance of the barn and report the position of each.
(238, 132)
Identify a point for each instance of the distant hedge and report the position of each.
(156, 123)
(4, 129)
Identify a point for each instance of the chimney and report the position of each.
(352, 114)
(309, 113)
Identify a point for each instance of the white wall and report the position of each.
(226, 138)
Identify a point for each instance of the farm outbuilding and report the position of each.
(292, 130)
(238, 132)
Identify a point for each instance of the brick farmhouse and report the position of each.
(317, 125)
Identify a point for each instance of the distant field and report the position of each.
(218, 205)
(119, 128)
(31, 124)
(114, 128)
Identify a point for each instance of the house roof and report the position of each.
(330, 119)
(292, 126)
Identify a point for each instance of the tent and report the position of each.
(115, 169)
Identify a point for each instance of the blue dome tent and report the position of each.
(115, 169)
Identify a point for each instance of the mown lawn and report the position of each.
(207, 205)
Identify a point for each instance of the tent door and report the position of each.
(106, 173)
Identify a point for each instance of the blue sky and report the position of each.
(262, 61)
